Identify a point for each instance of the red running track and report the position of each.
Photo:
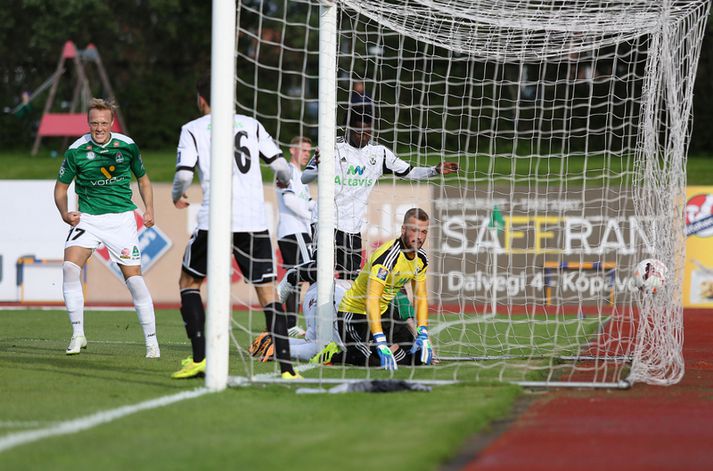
(646, 428)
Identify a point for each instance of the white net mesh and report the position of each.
(570, 123)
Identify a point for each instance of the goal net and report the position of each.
(570, 123)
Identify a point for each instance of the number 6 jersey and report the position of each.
(250, 141)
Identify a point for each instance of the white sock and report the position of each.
(73, 297)
(300, 349)
(144, 307)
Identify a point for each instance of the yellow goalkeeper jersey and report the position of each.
(390, 267)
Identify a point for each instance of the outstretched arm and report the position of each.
(422, 173)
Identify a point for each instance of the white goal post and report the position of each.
(570, 122)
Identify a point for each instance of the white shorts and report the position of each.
(117, 231)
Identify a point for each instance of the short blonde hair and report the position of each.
(300, 139)
(101, 104)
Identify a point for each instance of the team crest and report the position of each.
(124, 254)
(119, 158)
(91, 155)
(382, 274)
(372, 160)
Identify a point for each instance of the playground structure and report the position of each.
(74, 122)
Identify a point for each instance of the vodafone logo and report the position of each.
(699, 215)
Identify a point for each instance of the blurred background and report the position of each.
(153, 51)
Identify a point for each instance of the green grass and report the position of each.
(596, 170)
(247, 428)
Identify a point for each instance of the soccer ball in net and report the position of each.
(650, 275)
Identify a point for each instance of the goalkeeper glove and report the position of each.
(386, 357)
(422, 343)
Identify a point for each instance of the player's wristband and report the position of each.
(380, 338)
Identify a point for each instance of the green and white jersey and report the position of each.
(102, 173)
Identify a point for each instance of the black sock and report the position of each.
(193, 315)
(292, 306)
(276, 323)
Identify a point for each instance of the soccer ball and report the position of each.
(650, 275)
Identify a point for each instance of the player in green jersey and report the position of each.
(101, 164)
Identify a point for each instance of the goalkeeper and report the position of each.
(359, 319)
(400, 328)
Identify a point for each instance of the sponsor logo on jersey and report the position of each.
(117, 143)
(153, 244)
(356, 170)
(382, 274)
(106, 172)
(91, 155)
(353, 181)
(699, 215)
(124, 254)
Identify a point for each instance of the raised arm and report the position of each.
(311, 170)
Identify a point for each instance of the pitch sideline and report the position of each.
(90, 421)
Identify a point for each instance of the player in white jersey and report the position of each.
(295, 205)
(359, 163)
(101, 164)
(252, 248)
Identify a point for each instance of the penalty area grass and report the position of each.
(259, 427)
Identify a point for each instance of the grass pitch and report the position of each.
(260, 427)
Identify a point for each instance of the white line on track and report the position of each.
(83, 423)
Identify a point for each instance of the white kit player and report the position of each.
(252, 247)
(305, 348)
(295, 206)
(101, 164)
(360, 162)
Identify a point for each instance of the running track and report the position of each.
(646, 428)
